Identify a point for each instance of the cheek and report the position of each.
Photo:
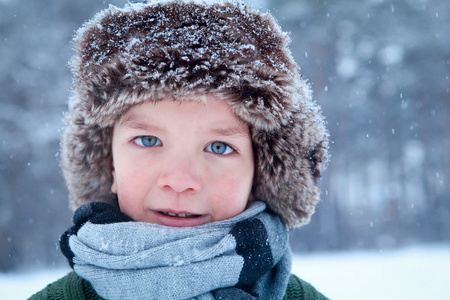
(128, 182)
(131, 191)
(230, 197)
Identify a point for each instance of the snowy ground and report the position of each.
(413, 273)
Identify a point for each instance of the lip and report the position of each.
(173, 221)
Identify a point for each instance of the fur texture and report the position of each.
(180, 49)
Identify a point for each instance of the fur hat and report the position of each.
(178, 49)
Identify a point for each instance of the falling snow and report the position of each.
(381, 80)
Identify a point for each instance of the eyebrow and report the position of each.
(230, 131)
(226, 131)
(132, 123)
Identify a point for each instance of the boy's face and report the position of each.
(182, 163)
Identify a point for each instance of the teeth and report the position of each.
(182, 215)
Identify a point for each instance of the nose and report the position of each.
(180, 177)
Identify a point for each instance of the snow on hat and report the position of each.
(179, 49)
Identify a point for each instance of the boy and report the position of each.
(190, 148)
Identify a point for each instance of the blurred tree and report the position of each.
(34, 79)
(383, 82)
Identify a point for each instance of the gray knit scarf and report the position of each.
(246, 257)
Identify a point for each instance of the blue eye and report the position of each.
(219, 148)
(147, 141)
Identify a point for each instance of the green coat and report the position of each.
(72, 287)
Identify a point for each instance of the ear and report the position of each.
(114, 183)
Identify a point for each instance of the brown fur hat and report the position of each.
(180, 49)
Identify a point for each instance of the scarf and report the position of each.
(245, 257)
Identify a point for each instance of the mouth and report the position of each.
(179, 215)
(179, 219)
